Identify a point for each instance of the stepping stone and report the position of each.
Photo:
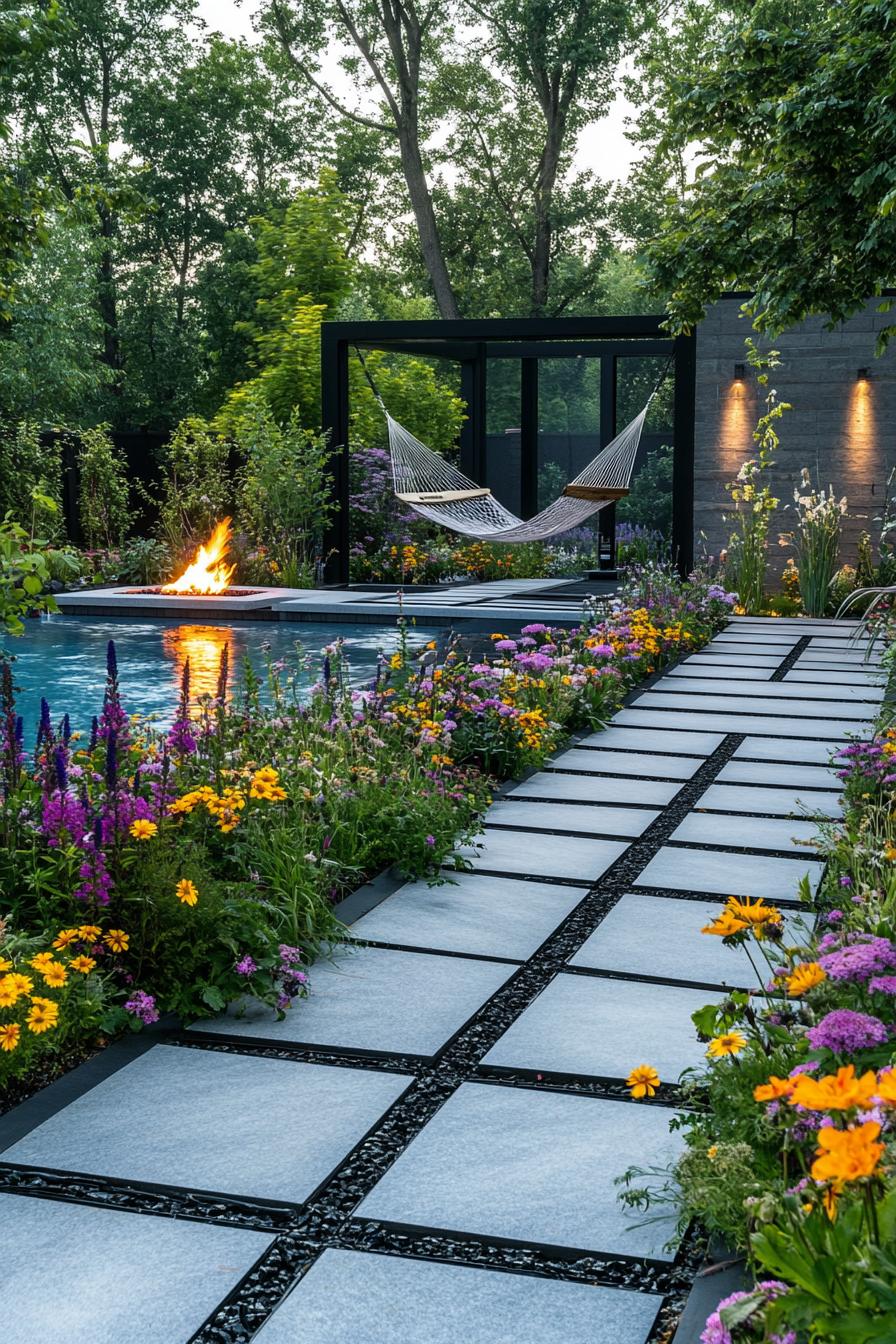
(874, 684)
(772, 634)
(618, 1023)
(206, 1120)
(645, 739)
(571, 818)
(765, 691)
(373, 998)
(703, 828)
(708, 670)
(750, 645)
(765, 772)
(626, 763)
(827, 730)
(534, 1166)
(595, 789)
(729, 874)
(559, 856)
(710, 657)
(780, 706)
(491, 916)
(834, 654)
(753, 800)
(348, 1297)
(639, 934)
(770, 749)
(74, 1272)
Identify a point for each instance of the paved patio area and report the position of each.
(425, 1152)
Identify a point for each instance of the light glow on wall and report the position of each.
(862, 463)
(736, 425)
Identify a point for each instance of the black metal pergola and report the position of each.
(471, 344)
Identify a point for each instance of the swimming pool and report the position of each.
(63, 658)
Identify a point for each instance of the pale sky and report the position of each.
(603, 148)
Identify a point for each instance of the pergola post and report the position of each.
(606, 519)
(334, 422)
(685, 351)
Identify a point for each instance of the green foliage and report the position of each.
(286, 497)
(649, 502)
(301, 273)
(30, 473)
(24, 573)
(412, 394)
(103, 494)
(793, 113)
(196, 487)
(747, 559)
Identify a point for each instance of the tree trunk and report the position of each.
(427, 228)
(106, 297)
(544, 197)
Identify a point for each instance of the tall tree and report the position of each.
(795, 114)
(394, 47)
(559, 57)
(70, 102)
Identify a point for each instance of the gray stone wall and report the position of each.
(843, 430)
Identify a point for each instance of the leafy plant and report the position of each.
(816, 542)
(31, 478)
(103, 493)
(286, 499)
(196, 487)
(747, 558)
(24, 572)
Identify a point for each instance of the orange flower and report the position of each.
(643, 1081)
(729, 1043)
(89, 932)
(839, 1091)
(805, 977)
(773, 1089)
(9, 1036)
(83, 964)
(886, 1088)
(725, 924)
(755, 913)
(847, 1154)
(117, 940)
(186, 891)
(66, 936)
(141, 829)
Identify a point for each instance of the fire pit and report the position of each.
(204, 588)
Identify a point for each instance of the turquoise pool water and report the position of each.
(64, 659)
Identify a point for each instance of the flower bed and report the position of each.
(146, 872)
(792, 1137)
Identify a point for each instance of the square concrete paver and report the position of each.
(827, 730)
(765, 693)
(786, 836)
(211, 1121)
(596, 789)
(581, 818)
(736, 671)
(645, 739)
(351, 1298)
(534, 1166)
(789, 752)
(643, 765)
(75, 1273)
(775, 773)
(491, 916)
(587, 1025)
(661, 934)
(738, 706)
(778, 802)
(540, 855)
(374, 998)
(728, 874)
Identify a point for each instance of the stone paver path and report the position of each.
(426, 1150)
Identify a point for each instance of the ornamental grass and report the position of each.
(155, 871)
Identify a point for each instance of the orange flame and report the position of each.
(208, 574)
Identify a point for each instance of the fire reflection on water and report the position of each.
(203, 646)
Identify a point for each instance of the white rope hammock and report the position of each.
(435, 489)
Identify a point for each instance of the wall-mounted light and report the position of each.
(739, 371)
(862, 375)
